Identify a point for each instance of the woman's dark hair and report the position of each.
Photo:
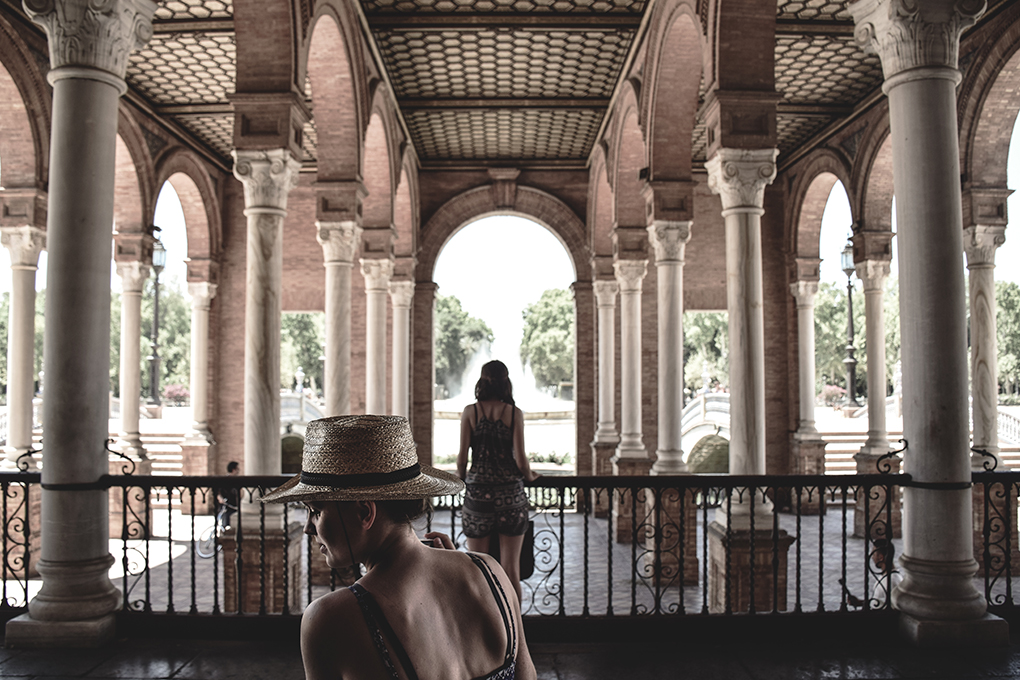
(405, 512)
(494, 383)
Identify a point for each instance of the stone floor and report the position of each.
(221, 660)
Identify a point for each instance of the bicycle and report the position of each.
(209, 540)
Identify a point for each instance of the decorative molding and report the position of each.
(97, 34)
(202, 293)
(133, 275)
(504, 187)
(401, 294)
(339, 240)
(377, 274)
(909, 34)
(630, 274)
(740, 176)
(804, 293)
(24, 245)
(873, 273)
(605, 293)
(669, 240)
(981, 242)
(267, 176)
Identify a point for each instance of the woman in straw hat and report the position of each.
(427, 613)
(495, 502)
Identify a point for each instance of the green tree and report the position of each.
(5, 308)
(1007, 320)
(301, 339)
(705, 339)
(174, 334)
(548, 342)
(458, 337)
(830, 337)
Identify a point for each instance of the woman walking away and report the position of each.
(418, 611)
(493, 428)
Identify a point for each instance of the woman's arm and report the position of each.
(465, 442)
(520, 454)
(321, 637)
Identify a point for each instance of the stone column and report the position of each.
(808, 447)
(268, 177)
(339, 242)
(133, 276)
(202, 293)
(669, 240)
(89, 48)
(24, 245)
(401, 297)
(377, 275)
(918, 45)
(607, 438)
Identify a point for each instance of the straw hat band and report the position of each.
(360, 480)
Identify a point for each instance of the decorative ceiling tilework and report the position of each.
(504, 63)
(794, 130)
(509, 6)
(824, 70)
(189, 10)
(216, 131)
(187, 68)
(309, 142)
(826, 10)
(504, 134)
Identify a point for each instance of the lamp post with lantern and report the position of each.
(158, 263)
(847, 262)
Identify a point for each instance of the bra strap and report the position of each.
(378, 626)
(500, 597)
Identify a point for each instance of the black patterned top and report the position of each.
(492, 451)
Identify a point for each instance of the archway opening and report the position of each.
(504, 293)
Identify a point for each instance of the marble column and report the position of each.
(669, 240)
(918, 45)
(806, 445)
(339, 242)
(133, 276)
(401, 297)
(89, 48)
(605, 296)
(629, 274)
(202, 293)
(268, 177)
(739, 176)
(873, 274)
(24, 245)
(377, 275)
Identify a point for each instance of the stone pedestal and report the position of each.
(624, 500)
(808, 459)
(675, 537)
(765, 575)
(1001, 511)
(264, 574)
(875, 514)
(602, 466)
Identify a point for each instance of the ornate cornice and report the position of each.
(24, 245)
(605, 293)
(980, 244)
(873, 273)
(202, 293)
(630, 274)
(267, 176)
(377, 273)
(910, 34)
(133, 275)
(669, 240)
(401, 294)
(339, 240)
(740, 176)
(97, 34)
(804, 293)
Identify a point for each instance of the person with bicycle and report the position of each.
(229, 497)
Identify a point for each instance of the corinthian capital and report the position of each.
(629, 274)
(377, 273)
(97, 34)
(202, 293)
(267, 176)
(401, 294)
(873, 273)
(668, 238)
(24, 245)
(339, 240)
(908, 34)
(740, 176)
(133, 275)
(605, 293)
(980, 244)
(804, 293)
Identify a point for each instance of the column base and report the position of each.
(988, 631)
(675, 535)
(884, 522)
(75, 591)
(730, 577)
(669, 462)
(808, 451)
(272, 587)
(25, 632)
(602, 466)
(130, 444)
(627, 500)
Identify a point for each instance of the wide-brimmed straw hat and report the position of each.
(349, 458)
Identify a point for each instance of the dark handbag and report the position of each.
(527, 550)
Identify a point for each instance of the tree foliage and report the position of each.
(301, 345)
(830, 338)
(1007, 320)
(548, 341)
(706, 335)
(458, 337)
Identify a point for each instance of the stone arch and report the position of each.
(190, 179)
(25, 121)
(600, 206)
(405, 210)
(630, 160)
(872, 183)
(672, 94)
(334, 94)
(135, 187)
(808, 195)
(378, 173)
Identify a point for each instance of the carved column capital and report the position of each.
(24, 245)
(980, 244)
(202, 293)
(740, 176)
(910, 34)
(377, 273)
(401, 294)
(133, 275)
(873, 273)
(99, 34)
(267, 176)
(630, 274)
(804, 293)
(339, 240)
(605, 293)
(669, 240)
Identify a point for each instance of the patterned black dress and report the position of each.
(495, 498)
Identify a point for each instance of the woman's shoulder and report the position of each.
(330, 609)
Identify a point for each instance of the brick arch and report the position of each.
(600, 206)
(809, 193)
(629, 159)
(335, 98)
(990, 101)
(135, 187)
(24, 114)
(191, 180)
(405, 209)
(872, 182)
(377, 176)
(673, 74)
(532, 204)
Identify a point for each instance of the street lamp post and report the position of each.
(847, 262)
(158, 262)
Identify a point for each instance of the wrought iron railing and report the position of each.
(603, 546)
